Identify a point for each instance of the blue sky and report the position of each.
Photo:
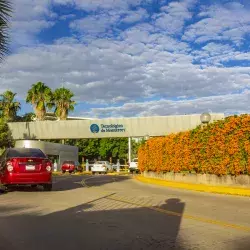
(133, 57)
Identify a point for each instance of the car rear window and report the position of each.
(135, 160)
(25, 152)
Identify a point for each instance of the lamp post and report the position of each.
(205, 119)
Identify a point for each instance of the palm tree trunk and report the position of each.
(63, 115)
(40, 114)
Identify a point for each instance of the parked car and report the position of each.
(133, 165)
(69, 166)
(101, 167)
(25, 166)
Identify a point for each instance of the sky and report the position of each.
(124, 58)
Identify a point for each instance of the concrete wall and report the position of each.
(106, 128)
(65, 152)
(208, 179)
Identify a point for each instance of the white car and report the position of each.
(133, 165)
(101, 167)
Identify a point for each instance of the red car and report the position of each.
(25, 166)
(68, 166)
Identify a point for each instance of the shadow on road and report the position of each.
(242, 244)
(100, 180)
(99, 224)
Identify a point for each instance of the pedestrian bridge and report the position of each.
(107, 128)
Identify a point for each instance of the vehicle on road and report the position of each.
(69, 166)
(133, 165)
(101, 167)
(25, 166)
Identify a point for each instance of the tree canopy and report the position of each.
(62, 100)
(40, 96)
(8, 105)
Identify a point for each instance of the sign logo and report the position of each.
(94, 128)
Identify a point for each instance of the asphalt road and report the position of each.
(115, 212)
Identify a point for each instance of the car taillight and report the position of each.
(10, 168)
(48, 168)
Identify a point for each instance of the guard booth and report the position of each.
(55, 151)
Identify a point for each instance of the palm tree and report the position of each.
(5, 14)
(40, 97)
(63, 103)
(9, 106)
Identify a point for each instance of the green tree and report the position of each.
(27, 117)
(135, 147)
(8, 106)
(62, 100)
(5, 135)
(40, 96)
(5, 14)
(117, 148)
(88, 148)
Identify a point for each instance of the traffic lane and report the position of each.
(111, 216)
(226, 208)
(100, 180)
(68, 182)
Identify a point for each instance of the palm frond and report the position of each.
(5, 14)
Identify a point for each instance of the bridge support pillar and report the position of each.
(129, 150)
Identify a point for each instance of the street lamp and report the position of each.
(205, 119)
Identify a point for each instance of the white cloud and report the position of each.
(173, 17)
(135, 16)
(95, 24)
(228, 104)
(92, 5)
(29, 18)
(112, 71)
(220, 22)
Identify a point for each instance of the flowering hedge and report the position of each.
(221, 148)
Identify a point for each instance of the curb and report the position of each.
(196, 187)
(67, 174)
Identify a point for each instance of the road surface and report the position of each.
(115, 212)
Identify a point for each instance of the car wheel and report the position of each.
(63, 171)
(47, 187)
(7, 188)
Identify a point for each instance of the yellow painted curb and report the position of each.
(196, 187)
(121, 173)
